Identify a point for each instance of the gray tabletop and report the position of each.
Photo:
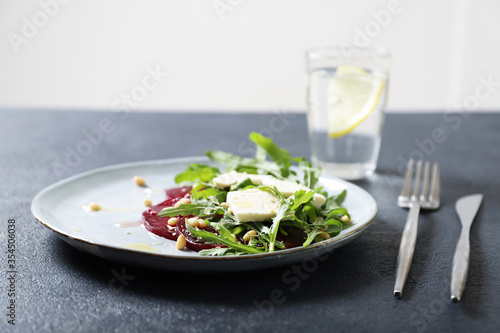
(59, 289)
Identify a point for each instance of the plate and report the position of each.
(115, 233)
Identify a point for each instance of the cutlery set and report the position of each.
(428, 198)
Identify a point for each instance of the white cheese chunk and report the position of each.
(252, 205)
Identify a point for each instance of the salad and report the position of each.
(256, 205)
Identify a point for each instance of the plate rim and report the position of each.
(61, 233)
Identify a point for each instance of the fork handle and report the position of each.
(406, 249)
(460, 266)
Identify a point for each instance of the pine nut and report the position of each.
(224, 204)
(234, 236)
(202, 224)
(94, 207)
(182, 202)
(249, 235)
(181, 242)
(147, 202)
(139, 181)
(324, 235)
(345, 218)
(193, 221)
(172, 221)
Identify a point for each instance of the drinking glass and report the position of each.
(347, 91)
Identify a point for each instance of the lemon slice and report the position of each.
(353, 95)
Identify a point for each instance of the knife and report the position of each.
(466, 208)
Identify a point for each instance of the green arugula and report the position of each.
(224, 237)
(280, 214)
(301, 197)
(212, 194)
(201, 208)
(196, 172)
(241, 164)
(279, 156)
(311, 174)
(244, 184)
(311, 236)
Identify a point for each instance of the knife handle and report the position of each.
(460, 266)
(406, 249)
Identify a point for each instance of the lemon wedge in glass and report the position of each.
(353, 95)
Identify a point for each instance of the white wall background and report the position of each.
(238, 55)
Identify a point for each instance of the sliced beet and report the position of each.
(159, 225)
(178, 192)
(192, 242)
(296, 237)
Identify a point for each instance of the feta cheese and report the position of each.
(252, 205)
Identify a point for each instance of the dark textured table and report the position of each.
(59, 289)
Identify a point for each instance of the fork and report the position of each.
(426, 199)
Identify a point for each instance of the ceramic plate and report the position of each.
(115, 233)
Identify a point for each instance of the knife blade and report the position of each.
(466, 208)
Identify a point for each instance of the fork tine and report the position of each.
(425, 183)
(406, 190)
(416, 186)
(435, 184)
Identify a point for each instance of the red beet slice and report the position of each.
(159, 225)
(192, 242)
(178, 192)
(296, 237)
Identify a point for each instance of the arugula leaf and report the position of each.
(196, 172)
(311, 174)
(241, 164)
(238, 230)
(311, 235)
(260, 227)
(339, 211)
(330, 204)
(228, 221)
(302, 197)
(310, 212)
(341, 197)
(199, 209)
(260, 153)
(279, 156)
(334, 227)
(334, 201)
(281, 212)
(212, 194)
(222, 238)
(243, 184)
